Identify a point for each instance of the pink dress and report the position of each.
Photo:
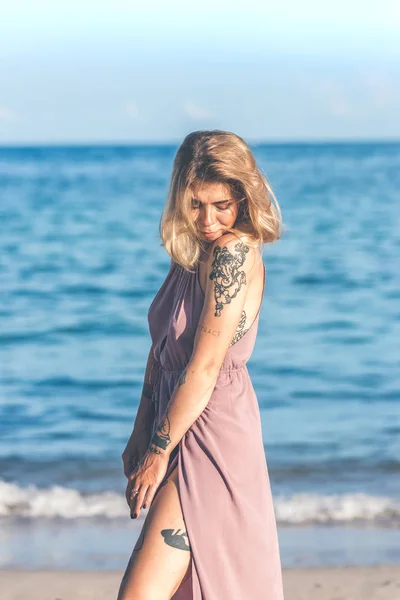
(224, 485)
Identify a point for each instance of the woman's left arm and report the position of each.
(229, 270)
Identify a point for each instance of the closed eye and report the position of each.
(223, 206)
(219, 205)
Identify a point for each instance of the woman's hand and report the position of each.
(135, 450)
(144, 481)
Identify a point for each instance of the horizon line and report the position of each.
(172, 143)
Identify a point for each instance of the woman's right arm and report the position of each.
(145, 404)
(140, 438)
(141, 434)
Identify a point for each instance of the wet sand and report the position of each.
(333, 583)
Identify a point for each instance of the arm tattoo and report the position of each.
(161, 437)
(228, 279)
(240, 331)
(182, 378)
(205, 329)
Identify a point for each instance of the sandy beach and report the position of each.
(335, 583)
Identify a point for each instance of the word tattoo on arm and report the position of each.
(226, 274)
(161, 438)
(205, 329)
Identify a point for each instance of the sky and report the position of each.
(130, 72)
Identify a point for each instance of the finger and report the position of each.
(133, 474)
(151, 491)
(148, 496)
(129, 487)
(133, 502)
(128, 496)
(132, 481)
(137, 501)
(140, 499)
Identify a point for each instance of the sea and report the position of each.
(80, 262)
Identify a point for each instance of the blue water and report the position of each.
(80, 262)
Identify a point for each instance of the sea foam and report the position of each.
(298, 509)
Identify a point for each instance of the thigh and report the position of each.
(161, 557)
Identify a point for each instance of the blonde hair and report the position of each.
(223, 157)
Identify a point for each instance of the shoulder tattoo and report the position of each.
(227, 274)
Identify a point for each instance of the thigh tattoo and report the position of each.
(176, 540)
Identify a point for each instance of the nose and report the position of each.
(208, 218)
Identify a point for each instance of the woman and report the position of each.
(196, 455)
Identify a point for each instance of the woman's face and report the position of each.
(214, 210)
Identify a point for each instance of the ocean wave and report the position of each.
(59, 501)
(298, 509)
(301, 509)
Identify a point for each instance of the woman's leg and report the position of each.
(161, 558)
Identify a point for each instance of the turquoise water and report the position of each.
(80, 262)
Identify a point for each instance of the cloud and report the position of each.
(132, 110)
(6, 115)
(196, 112)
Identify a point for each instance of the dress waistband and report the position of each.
(157, 367)
(157, 370)
(177, 371)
